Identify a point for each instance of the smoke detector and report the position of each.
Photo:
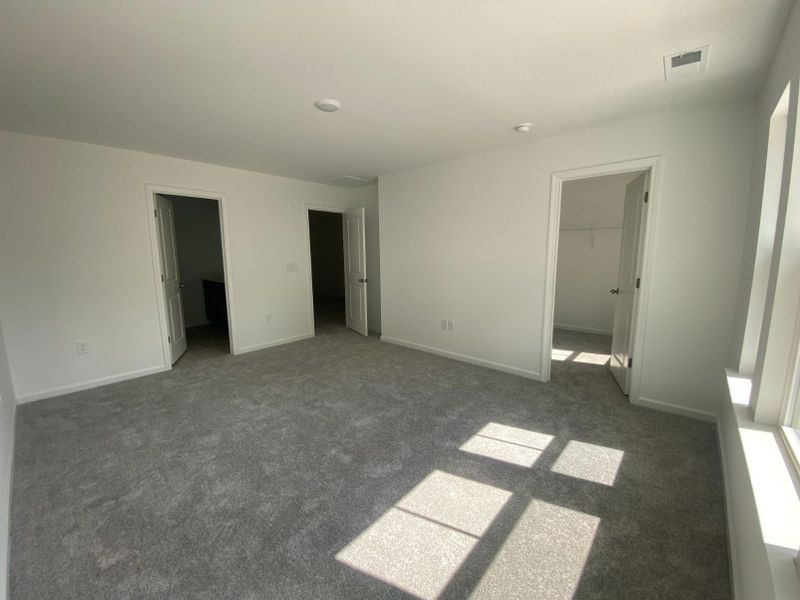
(686, 63)
(328, 105)
(523, 127)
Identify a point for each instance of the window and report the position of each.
(793, 416)
(771, 341)
(762, 262)
(790, 421)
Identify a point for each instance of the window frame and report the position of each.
(777, 367)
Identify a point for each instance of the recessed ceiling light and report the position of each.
(523, 127)
(328, 105)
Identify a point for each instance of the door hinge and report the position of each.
(155, 212)
(638, 282)
(646, 197)
(162, 277)
(630, 363)
(169, 339)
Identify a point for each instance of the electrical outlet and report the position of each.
(269, 317)
(444, 324)
(449, 325)
(82, 347)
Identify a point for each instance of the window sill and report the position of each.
(772, 475)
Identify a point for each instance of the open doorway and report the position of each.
(338, 269)
(597, 254)
(192, 273)
(326, 241)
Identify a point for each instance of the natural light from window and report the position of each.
(543, 557)
(772, 487)
(589, 462)
(561, 354)
(589, 358)
(770, 200)
(508, 444)
(419, 544)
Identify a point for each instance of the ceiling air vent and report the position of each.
(348, 181)
(686, 64)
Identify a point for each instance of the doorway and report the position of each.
(597, 255)
(338, 269)
(191, 271)
(326, 242)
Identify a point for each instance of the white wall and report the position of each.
(8, 406)
(76, 259)
(758, 569)
(466, 240)
(588, 252)
(197, 230)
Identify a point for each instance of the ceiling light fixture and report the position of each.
(328, 105)
(523, 128)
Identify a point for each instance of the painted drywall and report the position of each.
(8, 406)
(197, 231)
(588, 252)
(327, 253)
(756, 574)
(76, 260)
(466, 240)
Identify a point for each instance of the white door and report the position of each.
(355, 245)
(170, 276)
(626, 290)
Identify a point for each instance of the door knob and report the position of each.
(615, 291)
(181, 285)
(362, 280)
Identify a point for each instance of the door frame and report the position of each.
(307, 207)
(155, 250)
(646, 251)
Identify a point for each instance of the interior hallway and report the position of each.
(342, 467)
(203, 343)
(329, 314)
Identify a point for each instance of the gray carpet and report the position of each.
(333, 468)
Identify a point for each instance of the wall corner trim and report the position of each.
(273, 343)
(675, 409)
(728, 494)
(464, 358)
(6, 591)
(87, 385)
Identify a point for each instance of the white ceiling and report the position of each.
(234, 82)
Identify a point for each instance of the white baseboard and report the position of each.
(87, 385)
(734, 564)
(583, 329)
(464, 358)
(5, 591)
(272, 343)
(675, 409)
